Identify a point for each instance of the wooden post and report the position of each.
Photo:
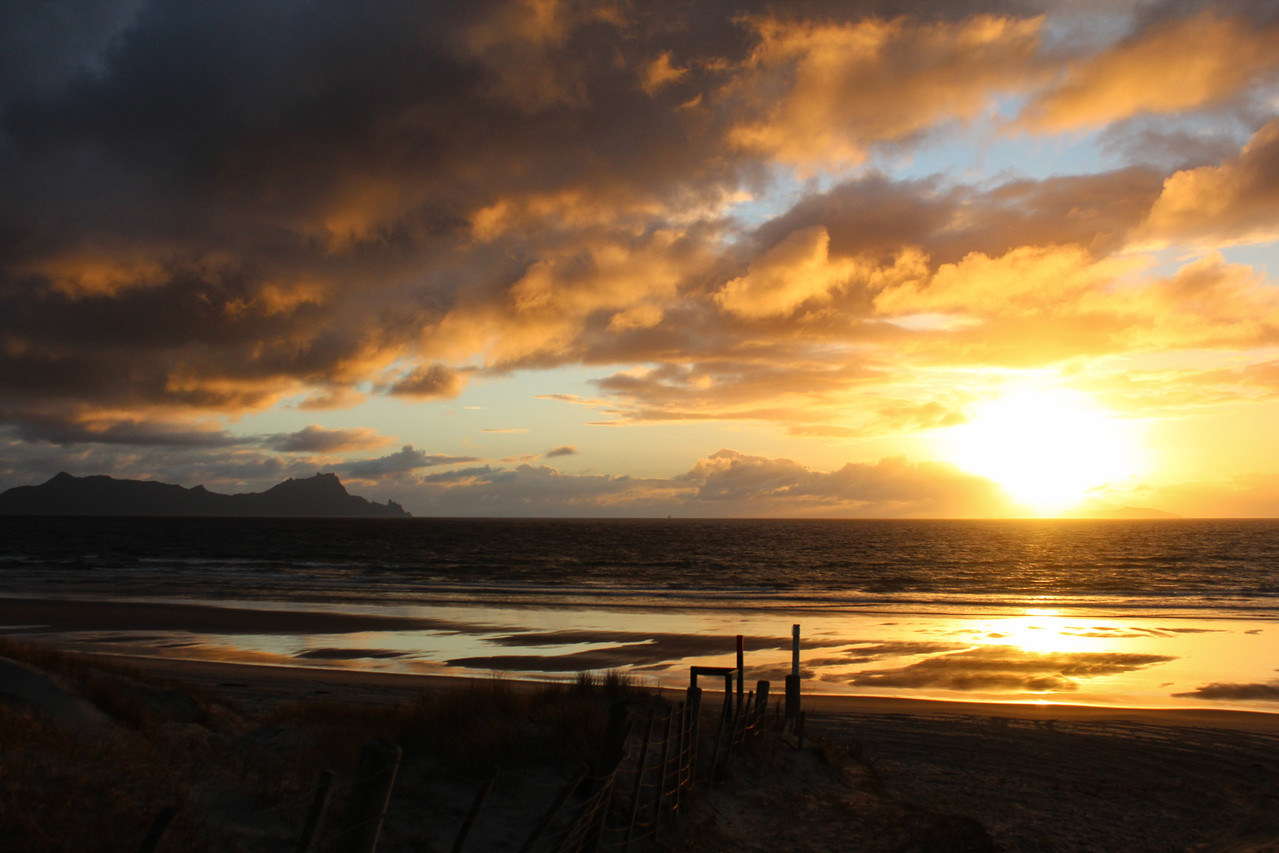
(464, 833)
(617, 730)
(159, 829)
(741, 671)
(727, 707)
(639, 783)
(681, 751)
(792, 680)
(315, 814)
(694, 729)
(540, 827)
(664, 776)
(375, 777)
(761, 700)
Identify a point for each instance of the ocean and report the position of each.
(1146, 613)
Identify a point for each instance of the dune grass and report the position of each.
(244, 782)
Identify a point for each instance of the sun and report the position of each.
(1047, 447)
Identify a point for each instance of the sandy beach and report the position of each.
(896, 774)
(877, 772)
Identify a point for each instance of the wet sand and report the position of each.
(263, 685)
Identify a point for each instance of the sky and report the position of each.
(554, 258)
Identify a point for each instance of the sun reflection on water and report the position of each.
(1041, 631)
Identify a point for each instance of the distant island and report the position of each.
(321, 496)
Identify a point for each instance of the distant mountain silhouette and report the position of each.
(321, 496)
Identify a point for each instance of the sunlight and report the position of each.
(1047, 447)
(1042, 633)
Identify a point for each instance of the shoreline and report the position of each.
(274, 683)
(399, 647)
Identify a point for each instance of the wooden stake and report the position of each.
(459, 843)
(159, 829)
(375, 777)
(319, 803)
(741, 670)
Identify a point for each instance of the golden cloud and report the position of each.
(1027, 280)
(824, 92)
(1236, 202)
(1174, 66)
(795, 271)
(659, 73)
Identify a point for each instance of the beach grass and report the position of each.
(241, 780)
(877, 774)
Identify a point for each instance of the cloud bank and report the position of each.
(214, 212)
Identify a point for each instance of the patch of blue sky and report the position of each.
(989, 150)
(1262, 257)
(782, 191)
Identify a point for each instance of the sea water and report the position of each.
(1147, 613)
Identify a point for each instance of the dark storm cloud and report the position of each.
(210, 203)
(317, 439)
(406, 459)
(1233, 691)
(876, 216)
(44, 43)
(210, 208)
(55, 430)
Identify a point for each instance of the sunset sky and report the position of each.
(646, 258)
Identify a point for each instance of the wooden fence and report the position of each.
(650, 764)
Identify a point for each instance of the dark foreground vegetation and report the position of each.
(90, 759)
(97, 756)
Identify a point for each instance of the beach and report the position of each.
(893, 774)
(1036, 655)
(1015, 687)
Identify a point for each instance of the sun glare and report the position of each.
(1048, 448)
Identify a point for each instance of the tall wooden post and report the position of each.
(792, 680)
(761, 700)
(741, 671)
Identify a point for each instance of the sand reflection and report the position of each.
(1040, 654)
(1007, 668)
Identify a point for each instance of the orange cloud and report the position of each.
(824, 92)
(317, 439)
(796, 270)
(659, 73)
(726, 483)
(1235, 202)
(1027, 280)
(892, 486)
(429, 382)
(91, 272)
(542, 314)
(1208, 302)
(516, 41)
(1174, 66)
